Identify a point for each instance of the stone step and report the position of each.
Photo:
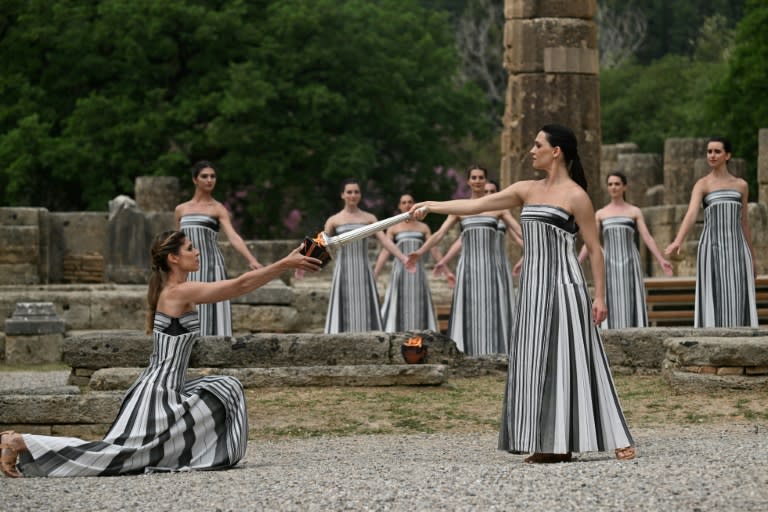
(111, 379)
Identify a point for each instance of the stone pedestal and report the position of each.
(33, 335)
(128, 241)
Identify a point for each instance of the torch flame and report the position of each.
(319, 240)
(413, 342)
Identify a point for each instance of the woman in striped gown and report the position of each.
(625, 290)
(353, 304)
(560, 397)
(201, 218)
(407, 302)
(165, 422)
(480, 318)
(725, 262)
(507, 288)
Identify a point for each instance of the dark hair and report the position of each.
(562, 137)
(351, 181)
(167, 242)
(623, 179)
(495, 184)
(199, 166)
(476, 168)
(406, 194)
(725, 142)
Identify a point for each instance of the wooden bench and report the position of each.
(443, 317)
(671, 300)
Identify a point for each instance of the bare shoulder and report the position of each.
(369, 217)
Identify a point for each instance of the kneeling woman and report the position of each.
(165, 422)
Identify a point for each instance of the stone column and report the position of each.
(643, 171)
(551, 56)
(33, 335)
(762, 165)
(684, 163)
(157, 193)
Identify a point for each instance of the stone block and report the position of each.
(33, 349)
(719, 352)
(128, 241)
(157, 193)
(684, 382)
(105, 349)
(730, 370)
(558, 45)
(756, 370)
(643, 171)
(264, 318)
(87, 408)
(20, 216)
(550, 8)
(20, 273)
(680, 168)
(109, 379)
(34, 318)
(21, 244)
(654, 196)
(762, 163)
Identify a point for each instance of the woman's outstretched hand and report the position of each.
(419, 211)
(298, 261)
(666, 267)
(673, 248)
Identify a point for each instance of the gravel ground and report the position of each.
(701, 468)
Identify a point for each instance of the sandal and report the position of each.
(8, 456)
(548, 458)
(627, 453)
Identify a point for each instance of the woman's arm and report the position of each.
(689, 220)
(381, 260)
(504, 200)
(583, 252)
(433, 240)
(234, 239)
(390, 246)
(745, 222)
(513, 227)
(204, 293)
(666, 266)
(584, 215)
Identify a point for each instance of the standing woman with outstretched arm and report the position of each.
(560, 397)
(725, 261)
(353, 304)
(481, 316)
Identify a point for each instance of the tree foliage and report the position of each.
(738, 106)
(288, 97)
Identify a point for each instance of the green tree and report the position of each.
(287, 97)
(738, 107)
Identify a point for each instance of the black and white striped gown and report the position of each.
(408, 302)
(624, 286)
(202, 230)
(353, 304)
(560, 395)
(165, 422)
(725, 284)
(477, 315)
(506, 284)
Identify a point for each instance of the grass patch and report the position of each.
(471, 405)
